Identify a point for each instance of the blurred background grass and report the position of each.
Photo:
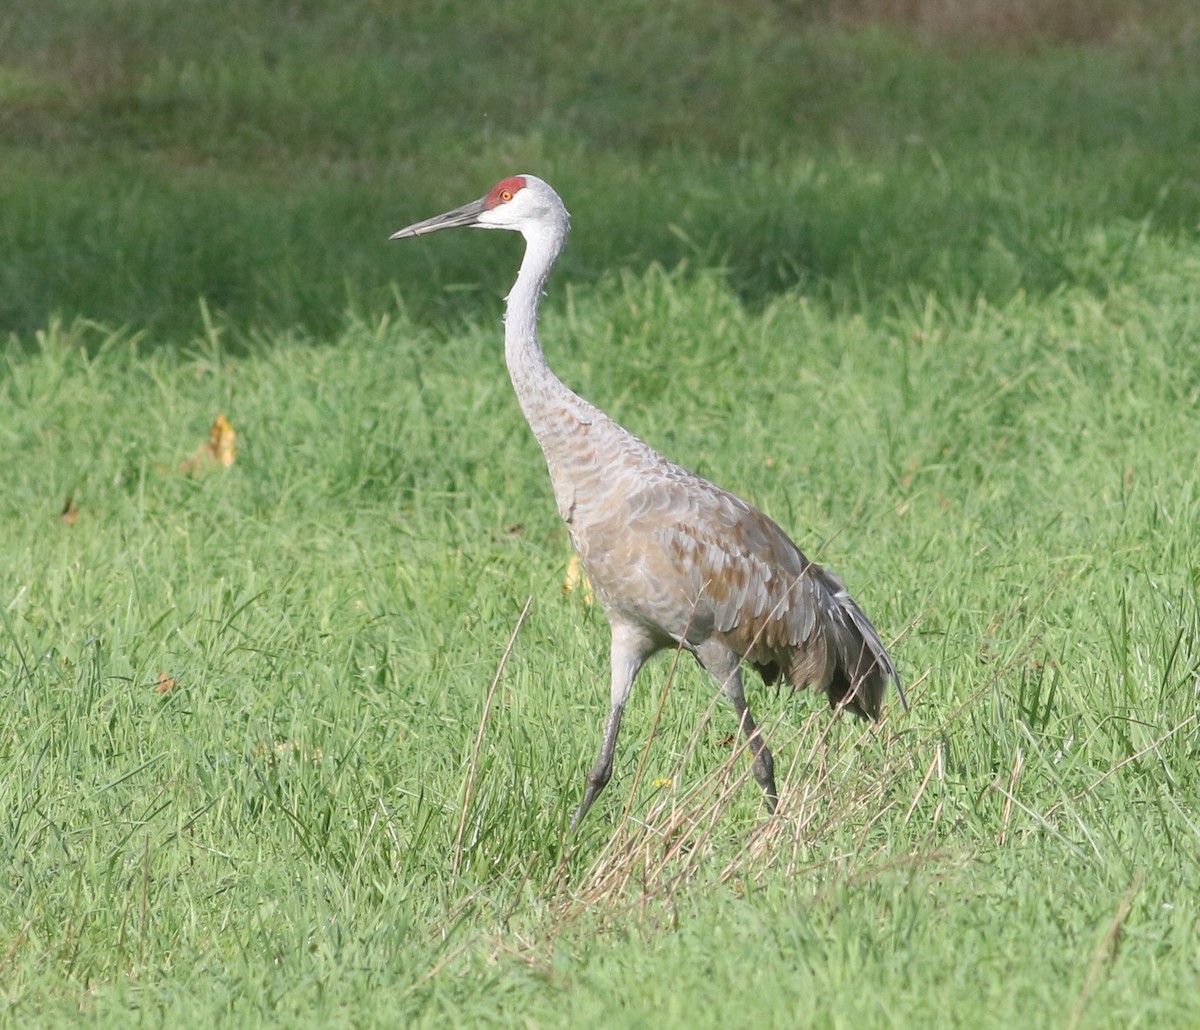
(257, 156)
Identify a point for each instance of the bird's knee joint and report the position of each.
(599, 776)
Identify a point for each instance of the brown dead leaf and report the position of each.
(222, 441)
(70, 512)
(220, 449)
(164, 684)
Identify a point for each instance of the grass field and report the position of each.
(282, 744)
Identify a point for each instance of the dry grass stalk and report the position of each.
(1121, 764)
(1106, 949)
(1018, 765)
(679, 837)
(456, 862)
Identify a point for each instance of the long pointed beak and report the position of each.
(468, 214)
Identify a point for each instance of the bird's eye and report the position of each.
(506, 195)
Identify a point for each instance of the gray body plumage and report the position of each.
(673, 559)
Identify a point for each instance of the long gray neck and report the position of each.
(542, 395)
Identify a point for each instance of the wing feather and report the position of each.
(751, 584)
(690, 561)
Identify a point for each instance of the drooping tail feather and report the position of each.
(864, 668)
(843, 655)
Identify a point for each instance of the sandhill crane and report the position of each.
(673, 560)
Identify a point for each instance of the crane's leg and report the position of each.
(725, 667)
(630, 649)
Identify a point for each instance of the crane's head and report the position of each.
(522, 203)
